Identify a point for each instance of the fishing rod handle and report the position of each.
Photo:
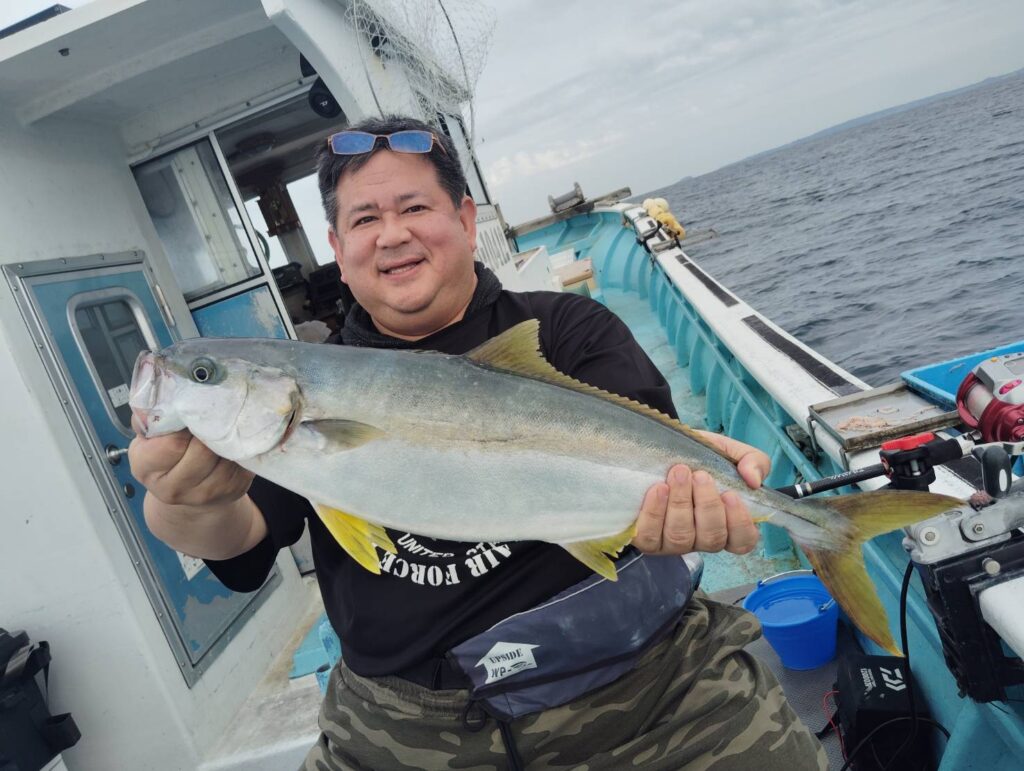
(831, 483)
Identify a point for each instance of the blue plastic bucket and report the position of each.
(799, 618)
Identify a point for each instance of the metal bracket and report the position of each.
(1001, 517)
(646, 228)
(663, 244)
(805, 441)
(962, 531)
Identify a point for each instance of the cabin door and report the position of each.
(91, 317)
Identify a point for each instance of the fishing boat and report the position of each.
(154, 155)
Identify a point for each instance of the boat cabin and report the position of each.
(159, 183)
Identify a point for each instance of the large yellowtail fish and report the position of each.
(494, 446)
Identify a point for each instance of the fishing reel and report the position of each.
(960, 554)
(991, 399)
(964, 552)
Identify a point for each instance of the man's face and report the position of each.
(404, 249)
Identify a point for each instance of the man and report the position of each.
(403, 232)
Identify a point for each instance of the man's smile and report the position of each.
(401, 267)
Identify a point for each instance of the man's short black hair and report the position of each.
(330, 167)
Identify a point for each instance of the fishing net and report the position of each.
(441, 45)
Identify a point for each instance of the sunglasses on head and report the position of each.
(359, 142)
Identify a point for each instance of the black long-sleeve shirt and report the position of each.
(435, 593)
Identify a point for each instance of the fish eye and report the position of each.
(202, 370)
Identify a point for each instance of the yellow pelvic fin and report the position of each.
(843, 571)
(344, 434)
(517, 350)
(595, 554)
(356, 536)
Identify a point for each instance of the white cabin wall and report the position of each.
(219, 94)
(318, 28)
(75, 196)
(64, 191)
(68, 191)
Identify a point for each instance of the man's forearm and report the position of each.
(216, 533)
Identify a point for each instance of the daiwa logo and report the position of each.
(893, 679)
(506, 659)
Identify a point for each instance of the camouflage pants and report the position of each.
(694, 701)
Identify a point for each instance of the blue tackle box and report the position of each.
(941, 381)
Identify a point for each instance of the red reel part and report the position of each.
(993, 415)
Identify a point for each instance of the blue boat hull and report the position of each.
(984, 736)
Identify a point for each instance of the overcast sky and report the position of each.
(612, 93)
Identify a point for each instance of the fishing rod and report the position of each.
(990, 402)
(909, 463)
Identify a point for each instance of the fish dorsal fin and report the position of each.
(517, 350)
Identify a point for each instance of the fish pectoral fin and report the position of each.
(595, 554)
(343, 434)
(846, 578)
(356, 536)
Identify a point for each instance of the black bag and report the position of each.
(581, 639)
(29, 736)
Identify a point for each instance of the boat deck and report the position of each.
(722, 570)
(277, 725)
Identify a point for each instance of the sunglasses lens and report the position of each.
(352, 143)
(411, 141)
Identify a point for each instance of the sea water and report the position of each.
(887, 245)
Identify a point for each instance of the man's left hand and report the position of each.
(686, 512)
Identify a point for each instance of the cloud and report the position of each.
(528, 164)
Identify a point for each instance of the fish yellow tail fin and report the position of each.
(843, 571)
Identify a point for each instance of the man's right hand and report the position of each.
(180, 470)
(195, 501)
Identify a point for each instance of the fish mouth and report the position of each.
(148, 378)
(142, 397)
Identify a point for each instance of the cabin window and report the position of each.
(109, 328)
(305, 195)
(197, 221)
